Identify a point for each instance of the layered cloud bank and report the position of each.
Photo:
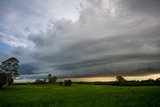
(114, 37)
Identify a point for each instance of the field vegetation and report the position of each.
(79, 95)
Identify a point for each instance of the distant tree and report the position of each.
(120, 79)
(44, 80)
(157, 81)
(49, 76)
(10, 68)
(67, 82)
(38, 81)
(51, 79)
(54, 78)
(60, 83)
(150, 79)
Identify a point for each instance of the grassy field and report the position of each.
(79, 96)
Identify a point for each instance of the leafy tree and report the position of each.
(10, 81)
(60, 83)
(44, 80)
(49, 76)
(2, 79)
(157, 81)
(67, 82)
(10, 68)
(38, 81)
(120, 79)
(52, 79)
(9, 78)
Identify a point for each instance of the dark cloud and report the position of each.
(141, 7)
(120, 37)
(113, 65)
(100, 44)
(108, 60)
(27, 69)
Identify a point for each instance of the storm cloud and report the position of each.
(114, 37)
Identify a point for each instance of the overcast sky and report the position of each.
(81, 38)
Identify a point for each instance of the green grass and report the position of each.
(80, 96)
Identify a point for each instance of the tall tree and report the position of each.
(67, 82)
(49, 76)
(52, 79)
(10, 67)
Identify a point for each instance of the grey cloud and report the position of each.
(28, 69)
(3, 56)
(40, 40)
(108, 60)
(99, 42)
(150, 7)
(112, 68)
(113, 65)
(33, 76)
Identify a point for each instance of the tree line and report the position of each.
(121, 81)
(53, 80)
(150, 82)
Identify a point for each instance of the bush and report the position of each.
(52, 79)
(157, 81)
(60, 83)
(120, 79)
(67, 82)
(38, 81)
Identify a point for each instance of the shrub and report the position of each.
(60, 83)
(67, 82)
(52, 79)
(38, 81)
(157, 81)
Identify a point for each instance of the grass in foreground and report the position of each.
(79, 96)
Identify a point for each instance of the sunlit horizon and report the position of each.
(99, 78)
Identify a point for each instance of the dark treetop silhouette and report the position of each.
(8, 70)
